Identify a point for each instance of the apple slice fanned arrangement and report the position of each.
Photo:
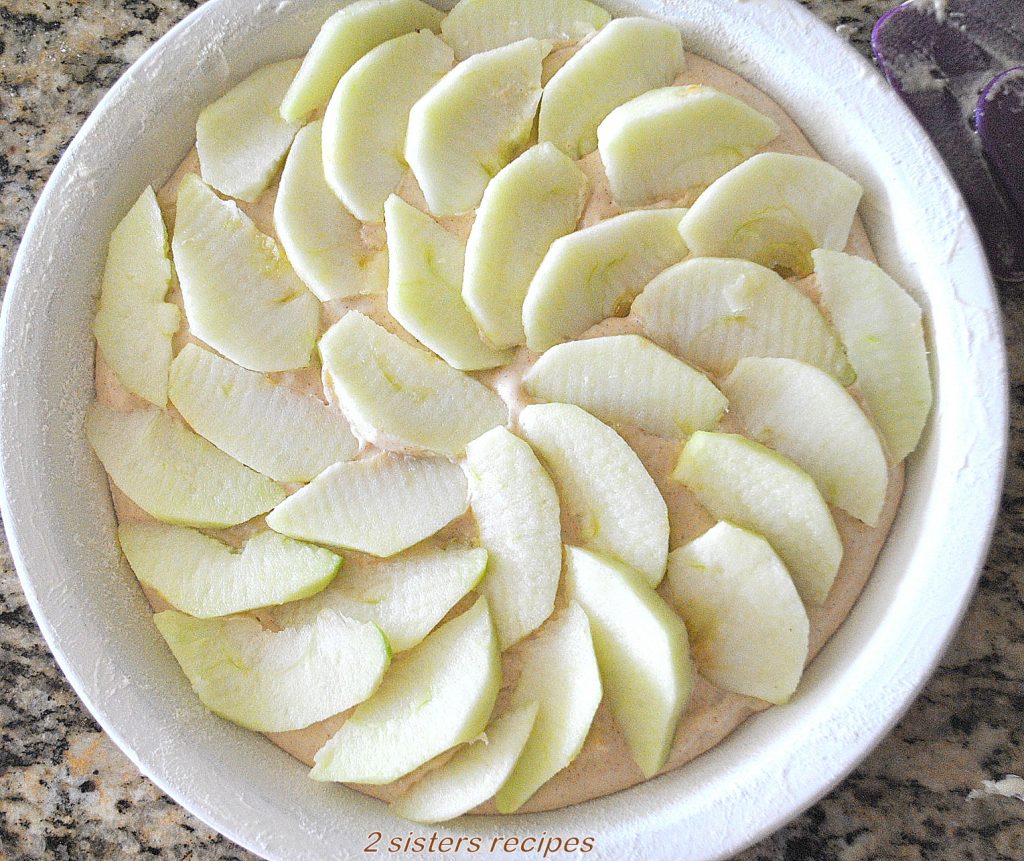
(590, 432)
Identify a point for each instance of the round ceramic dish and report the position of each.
(57, 509)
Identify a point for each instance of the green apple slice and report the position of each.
(174, 475)
(806, 415)
(276, 682)
(241, 295)
(880, 324)
(473, 774)
(479, 25)
(742, 481)
(472, 123)
(425, 264)
(322, 239)
(405, 596)
(205, 577)
(559, 672)
(400, 396)
(627, 57)
(134, 325)
(713, 312)
(368, 115)
(669, 141)
(775, 209)
(279, 432)
(642, 653)
(436, 696)
(345, 37)
(516, 509)
(241, 138)
(603, 487)
(603, 376)
(533, 201)
(595, 273)
(379, 505)
(748, 629)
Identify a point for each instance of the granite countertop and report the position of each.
(67, 792)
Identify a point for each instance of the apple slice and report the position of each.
(603, 376)
(205, 577)
(559, 673)
(713, 312)
(345, 37)
(806, 415)
(323, 240)
(473, 774)
(174, 475)
(425, 265)
(279, 432)
(276, 682)
(748, 629)
(627, 57)
(472, 123)
(516, 509)
(533, 201)
(742, 481)
(368, 115)
(405, 596)
(880, 324)
(642, 653)
(595, 273)
(134, 325)
(379, 505)
(241, 295)
(775, 209)
(479, 25)
(241, 138)
(609, 498)
(669, 141)
(400, 396)
(436, 696)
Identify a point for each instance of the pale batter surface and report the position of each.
(604, 766)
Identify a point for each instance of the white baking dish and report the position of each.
(58, 515)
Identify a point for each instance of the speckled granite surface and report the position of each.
(66, 792)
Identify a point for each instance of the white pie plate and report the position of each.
(60, 525)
